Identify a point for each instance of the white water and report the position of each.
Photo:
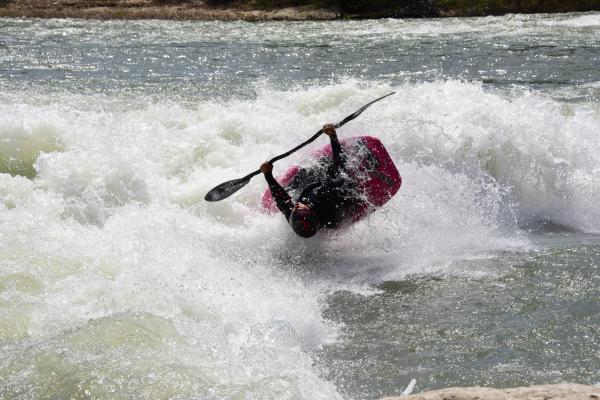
(115, 269)
(117, 280)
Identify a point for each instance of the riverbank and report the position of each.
(256, 10)
(150, 9)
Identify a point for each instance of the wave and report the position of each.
(119, 274)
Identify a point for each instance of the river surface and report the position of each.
(117, 280)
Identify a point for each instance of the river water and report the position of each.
(117, 280)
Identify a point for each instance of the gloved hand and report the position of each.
(329, 130)
(266, 168)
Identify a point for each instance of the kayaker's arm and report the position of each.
(282, 198)
(339, 158)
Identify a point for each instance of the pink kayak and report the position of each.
(369, 164)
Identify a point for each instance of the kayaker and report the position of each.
(323, 203)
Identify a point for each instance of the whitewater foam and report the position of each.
(110, 246)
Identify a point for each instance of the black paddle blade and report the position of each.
(360, 110)
(226, 189)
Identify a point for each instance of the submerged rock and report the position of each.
(541, 392)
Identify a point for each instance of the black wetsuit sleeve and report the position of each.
(282, 198)
(339, 158)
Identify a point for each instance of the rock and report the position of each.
(542, 392)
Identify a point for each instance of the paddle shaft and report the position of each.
(226, 189)
(284, 155)
(314, 137)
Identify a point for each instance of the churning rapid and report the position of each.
(117, 280)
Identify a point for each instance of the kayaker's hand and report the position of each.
(266, 168)
(329, 130)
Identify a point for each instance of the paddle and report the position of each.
(228, 188)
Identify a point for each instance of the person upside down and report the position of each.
(326, 202)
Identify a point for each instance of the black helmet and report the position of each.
(304, 222)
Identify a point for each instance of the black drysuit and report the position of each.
(334, 196)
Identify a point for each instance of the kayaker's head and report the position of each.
(304, 220)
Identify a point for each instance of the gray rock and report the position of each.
(567, 391)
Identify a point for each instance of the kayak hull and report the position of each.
(367, 161)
